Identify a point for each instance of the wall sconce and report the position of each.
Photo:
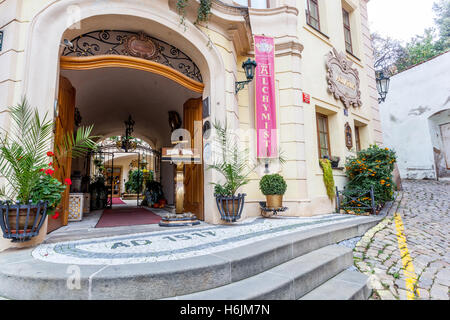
(249, 67)
(1, 40)
(382, 86)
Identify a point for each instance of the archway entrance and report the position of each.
(106, 89)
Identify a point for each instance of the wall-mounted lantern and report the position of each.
(249, 67)
(1, 40)
(382, 86)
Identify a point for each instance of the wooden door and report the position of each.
(193, 173)
(64, 123)
(445, 133)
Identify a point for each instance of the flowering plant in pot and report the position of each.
(31, 191)
(232, 164)
(273, 186)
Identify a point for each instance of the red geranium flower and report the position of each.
(50, 154)
(42, 170)
(55, 215)
(68, 181)
(49, 172)
(50, 164)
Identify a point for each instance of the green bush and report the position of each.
(272, 184)
(328, 178)
(371, 167)
(135, 181)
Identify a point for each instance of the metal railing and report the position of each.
(350, 200)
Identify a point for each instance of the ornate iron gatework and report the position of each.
(134, 44)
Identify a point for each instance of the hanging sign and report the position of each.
(343, 80)
(266, 116)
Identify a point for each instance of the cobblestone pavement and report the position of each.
(407, 255)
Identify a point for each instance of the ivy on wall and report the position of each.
(203, 12)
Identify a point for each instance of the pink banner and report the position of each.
(266, 115)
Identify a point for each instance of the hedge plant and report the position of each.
(272, 184)
(371, 167)
(328, 178)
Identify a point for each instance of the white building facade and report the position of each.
(416, 119)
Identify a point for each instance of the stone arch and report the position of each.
(52, 24)
(49, 28)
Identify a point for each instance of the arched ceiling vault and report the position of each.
(106, 97)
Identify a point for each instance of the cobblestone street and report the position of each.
(407, 255)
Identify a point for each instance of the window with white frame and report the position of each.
(257, 4)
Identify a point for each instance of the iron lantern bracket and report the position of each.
(239, 85)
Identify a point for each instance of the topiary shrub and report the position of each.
(272, 184)
(328, 178)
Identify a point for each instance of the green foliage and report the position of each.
(392, 57)
(135, 181)
(442, 11)
(272, 184)
(48, 189)
(153, 193)
(420, 49)
(328, 178)
(203, 12)
(232, 163)
(23, 155)
(372, 167)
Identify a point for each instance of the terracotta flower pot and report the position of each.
(274, 201)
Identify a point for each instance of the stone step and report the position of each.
(288, 281)
(347, 285)
(24, 277)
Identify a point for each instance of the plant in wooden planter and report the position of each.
(234, 167)
(273, 186)
(31, 191)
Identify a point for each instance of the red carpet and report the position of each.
(117, 201)
(118, 217)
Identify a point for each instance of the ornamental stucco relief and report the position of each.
(343, 80)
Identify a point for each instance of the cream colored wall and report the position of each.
(32, 45)
(220, 48)
(306, 193)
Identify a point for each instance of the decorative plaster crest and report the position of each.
(343, 80)
(141, 46)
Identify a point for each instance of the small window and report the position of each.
(312, 14)
(323, 135)
(357, 139)
(257, 4)
(347, 31)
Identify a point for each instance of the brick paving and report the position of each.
(424, 207)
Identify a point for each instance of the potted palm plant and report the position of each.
(31, 191)
(273, 186)
(232, 164)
